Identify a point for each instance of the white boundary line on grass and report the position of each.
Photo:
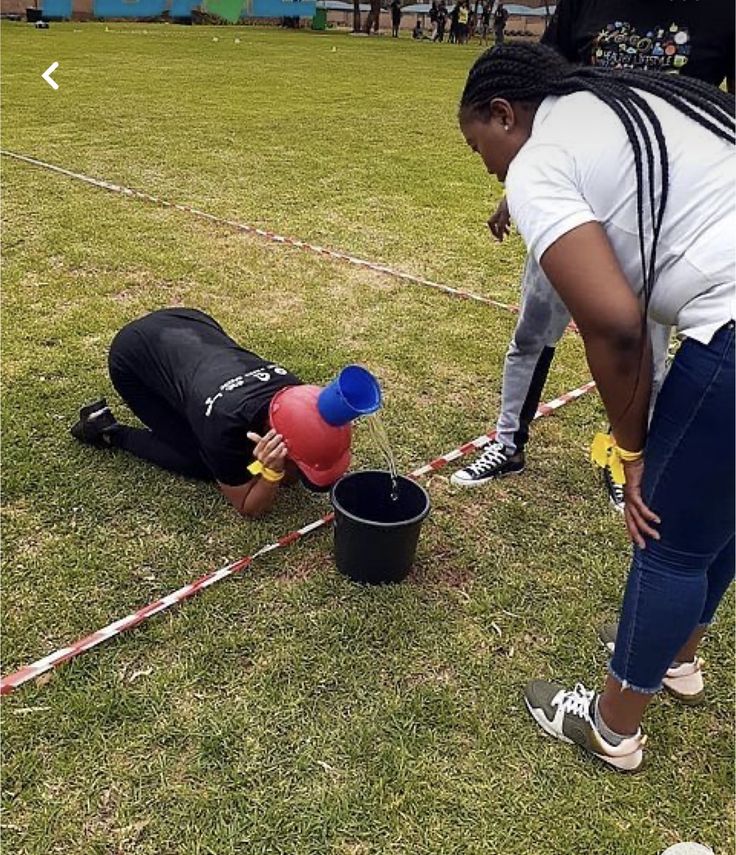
(53, 660)
(266, 234)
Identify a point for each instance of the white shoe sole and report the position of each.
(629, 763)
(688, 700)
(459, 483)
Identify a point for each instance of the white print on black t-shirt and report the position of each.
(262, 374)
(211, 403)
(620, 45)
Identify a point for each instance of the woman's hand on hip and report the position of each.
(639, 518)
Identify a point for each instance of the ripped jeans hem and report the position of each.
(638, 689)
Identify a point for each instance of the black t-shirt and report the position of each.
(221, 389)
(694, 37)
(500, 16)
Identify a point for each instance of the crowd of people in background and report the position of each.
(460, 23)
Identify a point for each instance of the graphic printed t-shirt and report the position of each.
(693, 37)
(578, 167)
(220, 388)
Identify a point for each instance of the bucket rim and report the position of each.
(410, 521)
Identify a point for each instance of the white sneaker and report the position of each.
(683, 680)
(688, 849)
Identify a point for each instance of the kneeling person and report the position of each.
(209, 406)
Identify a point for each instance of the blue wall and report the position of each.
(57, 8)
(182, 8)
(129, 8)
(279, 8)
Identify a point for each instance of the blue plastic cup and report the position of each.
(353, 393)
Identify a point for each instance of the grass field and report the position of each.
(287, 710)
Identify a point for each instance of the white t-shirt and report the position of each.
(578, 167)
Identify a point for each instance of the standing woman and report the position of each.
(658, 36)
(463, 17)
(395, 18)
(500, 16)
(453, 22)
(441, 21)
(433, 19)
(485, 22)
(621, 185)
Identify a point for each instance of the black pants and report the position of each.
(168, 442)
(395, 28)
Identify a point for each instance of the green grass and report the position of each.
(287, 710)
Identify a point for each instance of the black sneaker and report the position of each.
(494, 462)
(614, 489)
(94, 420)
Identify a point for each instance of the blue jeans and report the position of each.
(676, 583)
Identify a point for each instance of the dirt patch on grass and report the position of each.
(304, 569)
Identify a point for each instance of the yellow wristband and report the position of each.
(629, 456)
(604, 452)
(270, 475)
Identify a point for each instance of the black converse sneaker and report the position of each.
(494, 462)
(94, 420)
(614, 489)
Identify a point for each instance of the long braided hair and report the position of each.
(528, 73)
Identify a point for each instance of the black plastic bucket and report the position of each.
(376, 536)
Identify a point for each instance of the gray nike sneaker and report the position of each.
(567, 715)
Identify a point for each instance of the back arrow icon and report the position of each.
(47, 75)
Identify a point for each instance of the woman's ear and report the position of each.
(503, 113)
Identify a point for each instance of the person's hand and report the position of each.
(637, 515)
(270, 449)
(500, 221)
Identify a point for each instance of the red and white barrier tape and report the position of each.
(266, 234)
(484, 439)
(29, 672)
